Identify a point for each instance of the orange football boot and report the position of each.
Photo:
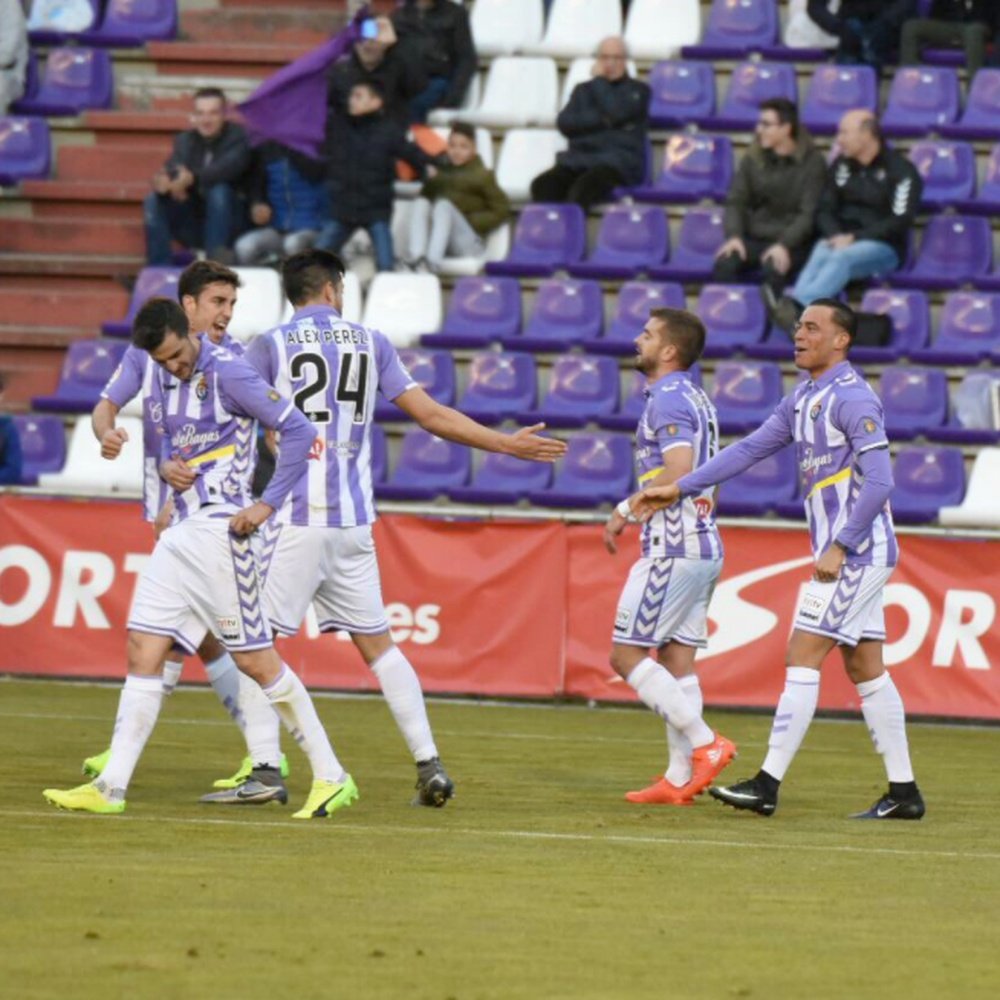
(661, 793)
(707, 763)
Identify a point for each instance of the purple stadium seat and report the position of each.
(682, 92)
(32, 77)
(633, 402)
(501, 386)
(735, 29)
(151, 281)
(750, 84)
(134, 22)
(910, 313)
(921, 99)
(581, 388)
(764, 485)
(503, 479)
(969, 330)
(632, 238)
(745, 393)
(635, 299)
(700, 237)
(43, 445)
(948, 170)
(915, 400)
(88, 366)
(433, 371)
(982, 109)
(733, 315)
(566, 311)
(695, 166)
(428, 466)
(380, 455)
(987, 200)
(971, 420)
(597, 469)
(834, 90)
(480, 310)
(74, 80)
(49, 36)
(926, 479)
(955, 249)
(547, 237)
(25, 149)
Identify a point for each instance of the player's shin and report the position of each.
(138, 709)
(679, 764)
(401, 688)
(661, 692)
(885, 717)
(792, 718)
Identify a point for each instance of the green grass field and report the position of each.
(538, 880)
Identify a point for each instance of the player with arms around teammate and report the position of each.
(836, 422)
(207, 292)
(203, 573)
(320, 543)
(664, 604)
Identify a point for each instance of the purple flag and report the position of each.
(290, 107)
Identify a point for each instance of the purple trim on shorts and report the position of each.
(329, 625)
(285, 630)
(841, 639)
(179, 640)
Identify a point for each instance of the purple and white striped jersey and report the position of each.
(210, 421)
(678, 414)
(331, 369)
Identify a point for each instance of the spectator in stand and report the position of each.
(198, 196)
(361, 155)
(10, 448)
(867, 29)
(394, 66)
(771, 207)
(865, 216)
(606, 122)
(457, 208)
(13, 52)
(964, 24)
(288, 205)
(440, 30)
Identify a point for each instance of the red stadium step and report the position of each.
(28, 372)
(61, 307)
(72, 236)
(135, 128)
(110, 165)
(118, 267)
(232, 59)
(52, 338)
(273, 26)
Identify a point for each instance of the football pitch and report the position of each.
(538, 880)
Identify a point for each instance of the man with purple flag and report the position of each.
(836, 422)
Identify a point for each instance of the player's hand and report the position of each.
(260, 213)
(829, 563)
(528, 444)
(248, 520)
(733, 245)
(112, 441)
(648, 501)
(778, 257)
(841, 241)
(613, 527)
(177, 473)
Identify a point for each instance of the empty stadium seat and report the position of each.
(428, 467)
(577, 27)
(736, 29)
(74, 79)
(762, 487)
(87, 367)
(658, 29)
(948, 170)
(86, 473)
(635, 299)
(979, 509)
(745, 394)
(987, 198)
(503, 479)
(480, 310)
(470, 102)
(503, 27)
(524, 154)
(751, 84)
(566, 311)
(692, 259)
(734, 317)
(72, 21)
(597, 469)
(681, 93)
(925, 480)
(968, 330)
(580, 389)
(403, 306)
(915, 400)
(547, 237)
(25, 149)
(43, 445)
(982, 109)
(133, 23)
(972, 417)
(921, 99)
(910, 314)
(260, 303)
(695, 166)
(151, 281)
(433, 371)
(501, 386)
(955, 249)
(631, 239)
(834, 90)
(519, 91)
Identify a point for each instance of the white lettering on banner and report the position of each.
(39, 583)
(135, 562)
(419, 626)
(955, 634)
(75, 592)
(918, 622)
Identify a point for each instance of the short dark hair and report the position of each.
(158, 317)
(304, 274)
(201, 273)
(216, 92)
(464, 128)
(786, 110)
(843, 315)
(684, 330)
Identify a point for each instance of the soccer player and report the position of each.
(320, 543)
(664, 604)
(835, 420)
(207, 292)
(203, 573)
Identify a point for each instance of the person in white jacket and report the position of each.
(13, 52)
(801, 32)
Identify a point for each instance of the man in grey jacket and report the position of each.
(771, 207)
(13, 52)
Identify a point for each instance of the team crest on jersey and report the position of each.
(869, 426)
(201, 388)
(671, 429)
(815, 411)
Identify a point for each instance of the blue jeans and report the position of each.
(828, 271)
(211, 223)
(428, 99)
(335, 234)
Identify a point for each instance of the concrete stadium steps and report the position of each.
(246, 59)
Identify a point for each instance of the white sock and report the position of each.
(171, 675)
(795, 711)
(292, 702)
(401, 687)
(679, 766)
(883, 710)
(260, 723)
(659, 690)
(138, 708)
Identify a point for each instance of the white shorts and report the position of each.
(848, 609)
(335, 568)
(200, 579)
(666, 600)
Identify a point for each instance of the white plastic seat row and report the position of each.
(979, 509)
(352, 300)
(86, 472)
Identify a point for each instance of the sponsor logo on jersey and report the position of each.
(671, 429)
(813, 463)
(273, 395)
(155, 411)
(702, 507)
(623, 619)
(229, 627)
(189, 437)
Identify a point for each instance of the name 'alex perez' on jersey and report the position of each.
(304, 334)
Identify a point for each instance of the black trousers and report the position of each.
(923, 31)
(585, 187)
(730, 268)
